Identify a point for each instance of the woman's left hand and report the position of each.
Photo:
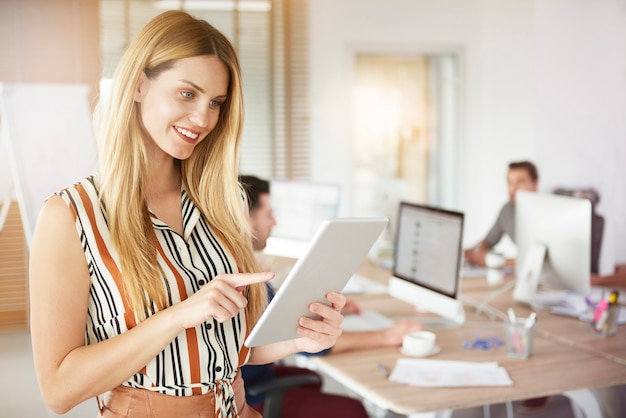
(320, 334)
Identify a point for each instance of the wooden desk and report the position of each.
(556, 367)
(568, 331)
(549, 371)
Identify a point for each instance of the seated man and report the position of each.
(308, 400)
(522, 175)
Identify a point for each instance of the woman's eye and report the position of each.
(187, 94)
(215, 104)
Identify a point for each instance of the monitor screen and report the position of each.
(299, 207)
(553, 236)
(428, 249)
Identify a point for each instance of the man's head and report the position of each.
(522, 175)
(261, 218)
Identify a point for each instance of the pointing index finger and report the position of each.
(241, 280)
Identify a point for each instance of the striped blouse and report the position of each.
(201, 359)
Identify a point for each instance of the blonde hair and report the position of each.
(209, 175)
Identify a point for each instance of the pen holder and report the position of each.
(520, 338)
(605, 324)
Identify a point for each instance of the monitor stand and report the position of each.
(527, 280)
(450, 309)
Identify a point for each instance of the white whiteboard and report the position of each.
(45, 129)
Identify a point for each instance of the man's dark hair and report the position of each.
(254, 187)
(526, 165)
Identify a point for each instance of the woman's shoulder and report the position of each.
(86, 185)
(81, 198)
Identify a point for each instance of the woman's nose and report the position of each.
(200, 117)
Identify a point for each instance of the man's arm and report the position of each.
(611, 280)
(389, 337)
(476, 255)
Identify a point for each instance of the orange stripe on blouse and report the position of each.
(107, 259)
(192, 337)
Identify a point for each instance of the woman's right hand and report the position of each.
(221, 299)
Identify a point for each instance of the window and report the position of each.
(406, 125)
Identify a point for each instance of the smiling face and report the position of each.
(181, 106)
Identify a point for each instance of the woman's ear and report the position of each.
(141, 88)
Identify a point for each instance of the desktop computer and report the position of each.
(427, 264)
(553, 235)
(299, 208)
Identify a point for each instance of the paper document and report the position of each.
(567, 303)
(446, 373)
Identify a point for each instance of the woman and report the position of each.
(142, 276)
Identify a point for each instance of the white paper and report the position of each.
(445, 373)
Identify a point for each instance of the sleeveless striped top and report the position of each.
(201, 359)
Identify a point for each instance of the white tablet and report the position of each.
(335, 252)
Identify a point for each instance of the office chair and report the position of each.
(275, 390)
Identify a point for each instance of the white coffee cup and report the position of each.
(418, 343)
(495, 267)
(494, 260)
(495, 276)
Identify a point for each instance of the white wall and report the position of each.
(581, 106)
(516, 100)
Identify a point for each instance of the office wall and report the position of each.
(43, 41)
(539, 80)
(581, 106)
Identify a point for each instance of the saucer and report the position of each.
(434, 351)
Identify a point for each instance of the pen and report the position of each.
(383, 370)
(530, 321)
(512, 318)
(611, 311)
(601, 314)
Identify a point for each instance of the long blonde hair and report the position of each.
(209, 175)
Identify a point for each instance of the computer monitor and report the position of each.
(427, 260)
(299, 208)
(553, 237)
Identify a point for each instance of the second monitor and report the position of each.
(427, 260)
(553, 235)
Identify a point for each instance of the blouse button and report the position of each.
(218, 369)
(208, 326)
(201, 282)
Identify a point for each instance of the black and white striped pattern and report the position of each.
(196, 358)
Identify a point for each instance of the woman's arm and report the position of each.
(70, 372)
